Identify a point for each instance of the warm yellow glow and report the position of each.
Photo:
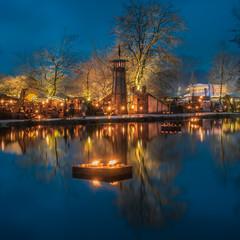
(97, 105)
(47, 101)
(201, 96)
(141, 108)
(109, 108)
(2, 101)
(43, 103)
(201, 134)
(11, 136)
(36, 111)
(138, 87)
(47, 140)
(96, 183)
(132, 106)
(11, 101)
(112, 163)
(3, 145)
(96, 162)
(89, 99)
(133, 129)
(62, 104)
(123, 107)
(31, 96)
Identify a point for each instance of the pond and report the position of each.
(185, 182)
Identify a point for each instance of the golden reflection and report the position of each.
(114, 183)
(2, 146)
(47, 140)
(96, 183)
(201, 134)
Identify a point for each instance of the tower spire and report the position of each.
(119, 51)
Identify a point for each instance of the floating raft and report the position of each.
(171, 127)
(102, 173)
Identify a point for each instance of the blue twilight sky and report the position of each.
(27, 24)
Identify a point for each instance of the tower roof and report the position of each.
(119, 60)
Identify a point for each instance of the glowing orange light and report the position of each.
(132, 106)
(141, 108)
(62, 104)
(109, 108)
(47, 101)
(2, 101)
(95, 163)
(114, 183)
(96, 183)
(36, 111)
(11, 101)
(123, 107)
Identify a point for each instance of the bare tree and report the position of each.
(225, 71)
(13, 85)
(93, 76)
(48, 67)
(145, 31)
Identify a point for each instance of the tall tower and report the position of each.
(119, 90)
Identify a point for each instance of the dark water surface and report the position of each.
(185, 185)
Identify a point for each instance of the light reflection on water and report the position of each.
(165, 163)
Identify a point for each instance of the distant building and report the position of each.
(206, 90)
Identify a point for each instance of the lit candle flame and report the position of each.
(96, 162)
(112, 162)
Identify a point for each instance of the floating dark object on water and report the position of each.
(102, 172)
(171, 127)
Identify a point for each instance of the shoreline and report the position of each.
(115, 119)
